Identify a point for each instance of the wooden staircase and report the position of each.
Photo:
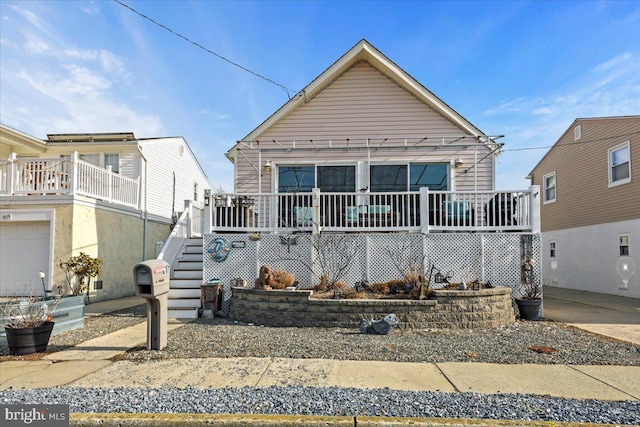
(186, 279)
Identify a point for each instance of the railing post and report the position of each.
(187, 208)
(315, 213)
(424, 210)
(110, 183)
(534, 203)
(12, 174)
(73, 172)
(206, 218)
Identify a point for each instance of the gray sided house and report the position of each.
(590, 207)
(109, 195)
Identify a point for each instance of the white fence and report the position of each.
(34, 176)
(418, 211)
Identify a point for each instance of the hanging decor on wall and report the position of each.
(219, 249)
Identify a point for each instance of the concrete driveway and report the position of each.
(610, 315)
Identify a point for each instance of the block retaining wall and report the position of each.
(445, 310)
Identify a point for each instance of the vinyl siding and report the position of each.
(583, 195)
(359, 105)
(164, 159)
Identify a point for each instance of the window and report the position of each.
(112, 160)
(432, 175)
(623, 243)
(549, 182)
(103, 160)
(339, 179)
(385, 178)
(577, 132)
(552, 249)
(620, 164)
(195, 191)
(296, 179)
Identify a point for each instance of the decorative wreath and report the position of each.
(219, 249)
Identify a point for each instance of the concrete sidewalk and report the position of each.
(91, 363)
(609, 315)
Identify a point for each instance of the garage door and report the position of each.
(24, 252)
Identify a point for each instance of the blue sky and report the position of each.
(525, 70)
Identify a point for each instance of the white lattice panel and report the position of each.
(377, 257)
(392, 255)
(458, 254)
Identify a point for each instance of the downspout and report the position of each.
(145, 212)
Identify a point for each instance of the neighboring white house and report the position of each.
(590, 208)
(110, 195)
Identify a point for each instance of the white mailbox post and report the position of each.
(152, 283)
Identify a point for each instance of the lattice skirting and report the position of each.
(494, 257)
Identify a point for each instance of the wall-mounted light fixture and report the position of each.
(267, 166)
(207, 196)
(459, 163)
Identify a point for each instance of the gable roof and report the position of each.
(362, 51)
(571, 126)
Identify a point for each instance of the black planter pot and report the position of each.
(29, 340)
(529, 308)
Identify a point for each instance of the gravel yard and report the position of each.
(226, 338)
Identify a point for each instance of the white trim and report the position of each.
(553, 251)
(544, 188)
(628, 245)
(610, 151)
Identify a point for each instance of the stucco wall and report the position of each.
(116, 238)
(99, 231)
(586, 258)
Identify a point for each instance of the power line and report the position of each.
(587, 141)
(286, 89)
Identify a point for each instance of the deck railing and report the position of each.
(414, 211)
(35, 176)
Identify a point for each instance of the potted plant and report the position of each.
(529, 304)
(27, 322)
(78, 271)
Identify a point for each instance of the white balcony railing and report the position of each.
(417, 211)
(34, 176)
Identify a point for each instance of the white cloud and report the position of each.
(613, 62)
(34, 44)
(109, 62)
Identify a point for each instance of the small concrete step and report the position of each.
(182, 313)
(184, 293)
(184, 303)
(186, 283)
(187, 274)
(193, 249)
(191, 257)
(189, 265)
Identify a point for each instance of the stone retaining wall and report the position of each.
(446, 310)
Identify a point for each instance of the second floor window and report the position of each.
(103, 160)
(620, 164)
(550, 188)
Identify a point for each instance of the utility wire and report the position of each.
(286, 89)
(586, 141)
